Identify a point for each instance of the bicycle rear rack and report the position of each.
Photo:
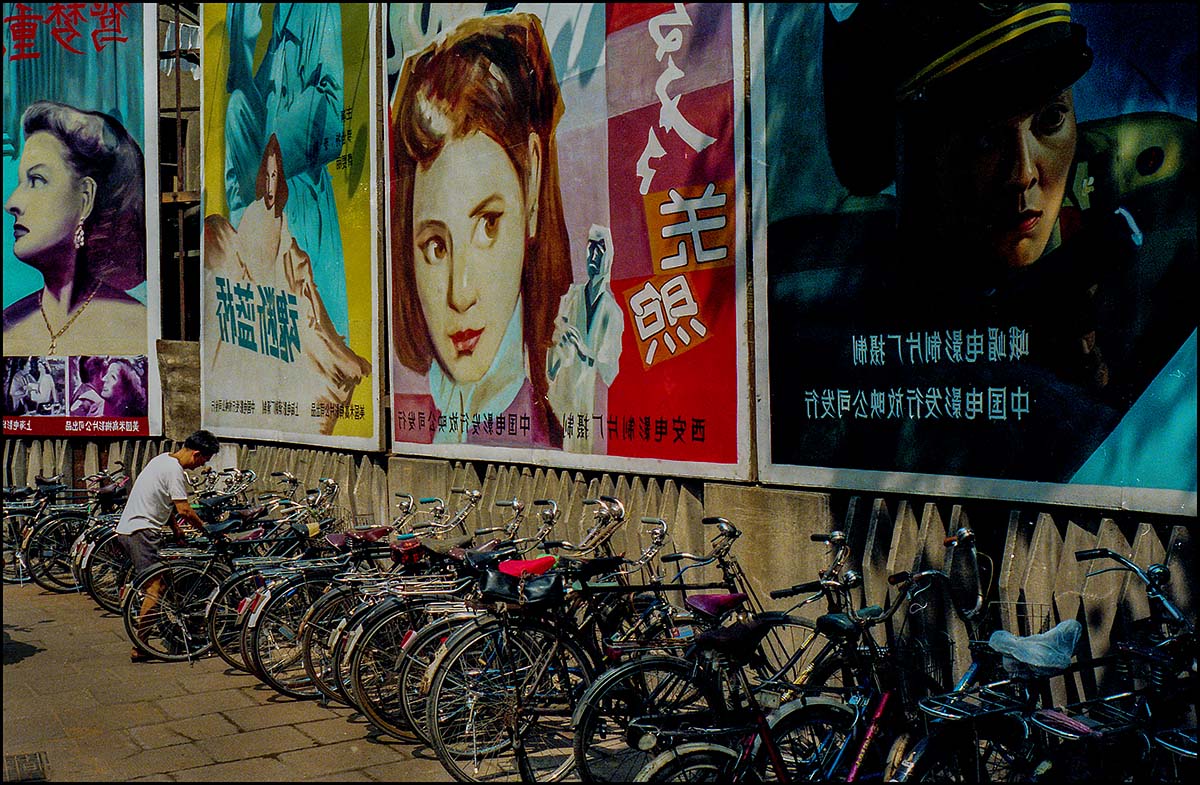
(982, 701)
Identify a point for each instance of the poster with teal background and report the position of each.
(975, 249)
(81, 311)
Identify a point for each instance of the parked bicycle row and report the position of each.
(517, 655)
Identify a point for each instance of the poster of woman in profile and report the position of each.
(78, 199)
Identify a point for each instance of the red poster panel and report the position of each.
(566, 254)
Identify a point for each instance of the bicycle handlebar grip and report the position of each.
(646, 519)
(553, 544)
(277, 474)
(544, 502)
(591, 501)
(458, 490)
(1091, 553)
(799, 588)
(504, 503)
(714, 520)
(671, 558)
(819, 537)
(429, 499)
(610, 499)
(490, 530)
(899, 577)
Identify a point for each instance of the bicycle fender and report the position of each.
(651, 768)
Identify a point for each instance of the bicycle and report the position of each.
(50, 543)
(814, 736)
(1150, 691)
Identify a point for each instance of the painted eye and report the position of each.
(1051, 118)
(434, 250)
(487, 228)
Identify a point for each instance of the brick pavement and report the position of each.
(71, 692)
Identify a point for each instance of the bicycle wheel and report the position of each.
(413, 674)
(275, 636)
(105, 570)
(315, 638)
(811, 736)
(374, 669)
(999, 750)
(344, 639)
(16, 525)
(657, 685)
(174, 628)
(788, 651)
(48, 553)
(499, 683)
(221, 616)
(699, 762)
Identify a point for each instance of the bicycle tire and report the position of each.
(419, 653)
(374, 668)
(176, 629)
(48, 552)
(996, 750)
(221, 616)
(810, 735)
(698, 762)
(106, 571)
(16, 525)
(650, 685)
(346, 637)
(323, 618)
(275, 638)
(470, 708)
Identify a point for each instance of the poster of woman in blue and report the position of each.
(77, 201)
(977, 256)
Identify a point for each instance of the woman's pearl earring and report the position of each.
(79, 238)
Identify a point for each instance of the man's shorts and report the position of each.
(142, 547)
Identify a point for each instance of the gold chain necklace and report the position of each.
(54, 336)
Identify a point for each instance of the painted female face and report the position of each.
(112, 380)
(46, 204)
(469, 229)
(1007, 180)
(272, 182)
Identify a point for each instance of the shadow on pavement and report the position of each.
(15, 651)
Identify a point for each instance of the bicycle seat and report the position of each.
(1044, 654)
(210, 503)
(247, 514)
(714, 605)
(253, 534)
(586, 569)
(518, 567)
(340, 540)
(444, 547)
(740, 640)
(14, 494)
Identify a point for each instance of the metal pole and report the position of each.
(179, 180)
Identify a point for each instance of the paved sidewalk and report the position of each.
(70, 692)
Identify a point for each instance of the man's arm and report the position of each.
(185, 512)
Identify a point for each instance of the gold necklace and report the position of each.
(54, 336)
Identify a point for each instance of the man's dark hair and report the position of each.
(203, 441)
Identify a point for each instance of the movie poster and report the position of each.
(975, 249)
(566, 259)
(81, 313)
(289, 341)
